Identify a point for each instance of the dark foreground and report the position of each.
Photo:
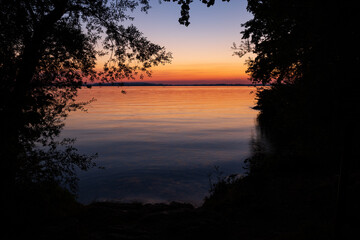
(301, 206)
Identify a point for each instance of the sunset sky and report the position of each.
(202, 51)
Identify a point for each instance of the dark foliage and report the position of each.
(310, 110)
(47, 50)
(185, 8)
(302, 40)
(303, 175)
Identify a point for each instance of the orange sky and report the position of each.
(197, 72)
(201, 52)
(201, 72)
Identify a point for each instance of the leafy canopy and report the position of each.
(185, 8)
(53, 41)
(301, 40)
(47, 49)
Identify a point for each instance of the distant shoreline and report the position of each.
(145, 84)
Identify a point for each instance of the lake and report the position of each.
(160, 144)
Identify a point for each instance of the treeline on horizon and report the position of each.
(119, 84)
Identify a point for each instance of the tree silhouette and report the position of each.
(48, 48)
(185, 8)
(302, 40)
(298, 49)
(310, 111)
(307, 51)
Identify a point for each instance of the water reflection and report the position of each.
(160, 143)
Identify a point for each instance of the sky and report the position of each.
(202, 51)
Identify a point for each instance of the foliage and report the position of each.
(185, 9)
(50, 42)
(218, 182)
(297, 39)
(48, 49)
(310, 106)
(309, 116)
(308, 121)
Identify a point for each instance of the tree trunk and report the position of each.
(33, 48)
(13, 120)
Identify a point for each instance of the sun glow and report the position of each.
(201, 52)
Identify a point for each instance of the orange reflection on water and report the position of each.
(166, 109)
(168, 103)
(163, 137)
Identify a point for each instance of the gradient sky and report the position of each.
(202, 51)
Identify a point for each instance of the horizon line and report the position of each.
(167, 84)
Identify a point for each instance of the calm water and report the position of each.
(160, 144)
